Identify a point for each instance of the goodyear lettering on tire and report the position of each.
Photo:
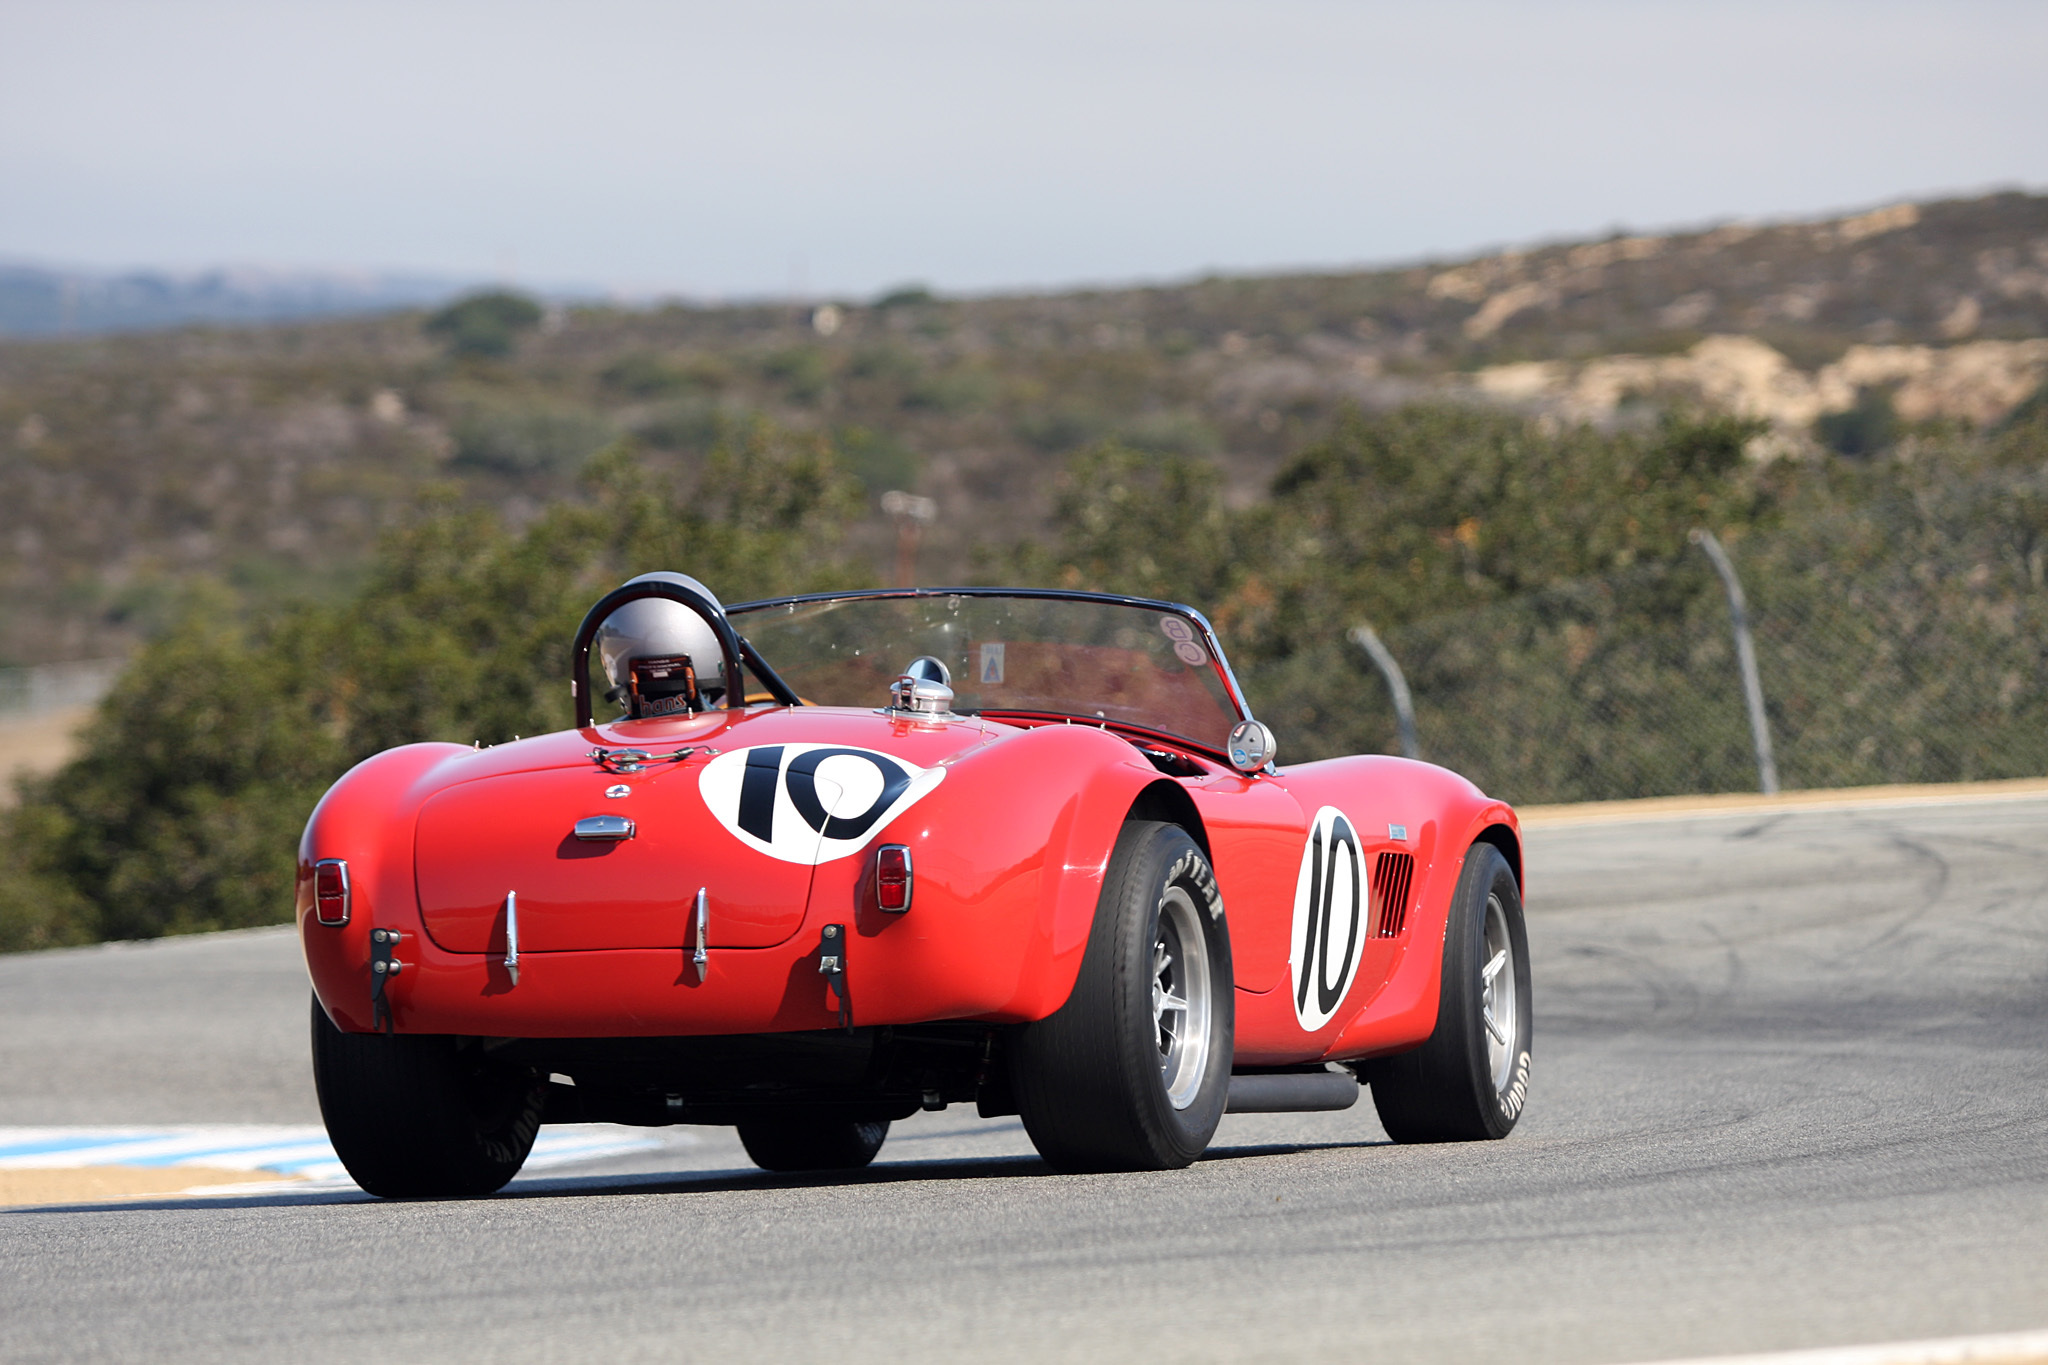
(1517, 1094)
(1330, 906)
(1193, 870)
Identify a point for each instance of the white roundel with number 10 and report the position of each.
(1330, 923)
(811, 803)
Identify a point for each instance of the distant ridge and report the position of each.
(43, 301)
(130, 466)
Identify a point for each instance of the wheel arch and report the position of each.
(1169, 803)
(1074, 891)
(365, 819)
(1404, 1014)
(1504, 838)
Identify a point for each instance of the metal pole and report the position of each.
(1745, 658)
(913, 514)
(1404, 705)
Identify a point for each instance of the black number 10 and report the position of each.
(1322, 894)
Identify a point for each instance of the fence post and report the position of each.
(1404, 705)
(1745, 659)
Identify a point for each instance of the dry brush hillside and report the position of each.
(268, 459)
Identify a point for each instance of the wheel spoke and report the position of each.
(1493, 967)
(1493, 1025)
(1164, 1001)
(1182, 996)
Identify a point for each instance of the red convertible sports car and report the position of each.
(840, 858)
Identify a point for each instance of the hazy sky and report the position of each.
(764, 147)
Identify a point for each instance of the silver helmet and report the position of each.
(656, 633)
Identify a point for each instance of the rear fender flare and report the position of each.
(1077, 860)
(364, 819)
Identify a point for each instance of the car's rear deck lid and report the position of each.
(477, 841)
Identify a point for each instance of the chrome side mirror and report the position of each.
(1251, 746)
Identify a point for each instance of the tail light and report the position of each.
(892, 878)
(330, 891)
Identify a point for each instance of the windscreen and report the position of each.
(1111, 661)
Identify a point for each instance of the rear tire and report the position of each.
(1131, 1074)
(418, 1116)
(1469, 1081)
(806, 1143)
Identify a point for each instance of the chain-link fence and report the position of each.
(1874, 668)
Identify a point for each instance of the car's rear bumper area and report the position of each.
(864, 1074)
(892, 974)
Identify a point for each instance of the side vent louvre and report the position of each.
(1391, 873)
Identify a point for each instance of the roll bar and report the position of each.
(735, 649)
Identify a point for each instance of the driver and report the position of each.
(661, 657)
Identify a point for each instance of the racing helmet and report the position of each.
(660, 656)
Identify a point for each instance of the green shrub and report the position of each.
(886, 365)
(1561, 636)
(877, 459)
(687, 424)
(905, 296)
(642, 375)
(962, 390)
(527, 438)
(1872, 425)
(1178, 432)
(183, 813)
(212, 748)
(1061, 428)
(800, 371)
(486, 324)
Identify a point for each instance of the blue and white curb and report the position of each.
(299, 1153)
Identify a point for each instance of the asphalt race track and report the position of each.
(1791, 1089)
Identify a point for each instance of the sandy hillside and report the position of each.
(38, 744)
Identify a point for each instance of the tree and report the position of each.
(485, 324)
(212, 748)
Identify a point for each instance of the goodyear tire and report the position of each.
(1469, 1081)
(1132, 1072)
(417, 1116)
(810, 1143)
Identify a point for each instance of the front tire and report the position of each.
(416, 1116)
(810, 1143)
(1131, 1074)
(1469, 1081)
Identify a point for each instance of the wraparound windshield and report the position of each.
(1093, 659)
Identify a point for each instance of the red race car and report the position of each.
(840, 858)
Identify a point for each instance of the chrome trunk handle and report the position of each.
(602, 828)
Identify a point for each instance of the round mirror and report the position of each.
(1251, 746)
